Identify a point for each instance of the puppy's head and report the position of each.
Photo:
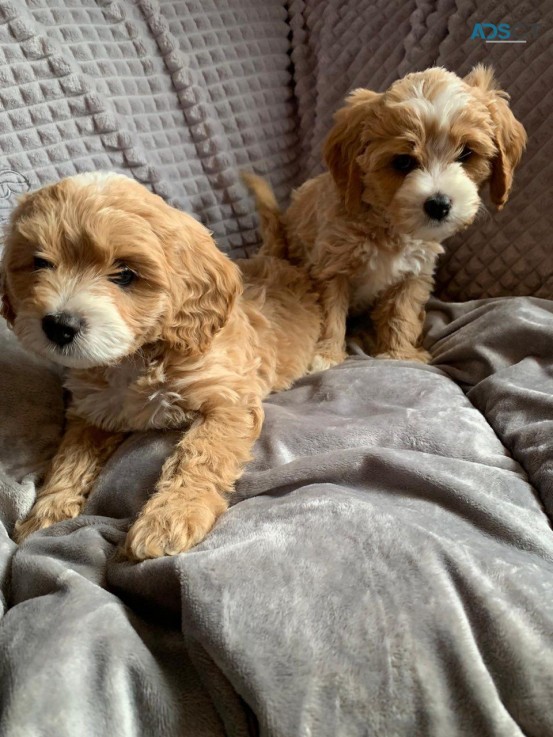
(419, 153)
(96, 266)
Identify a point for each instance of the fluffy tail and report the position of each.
(272, 230)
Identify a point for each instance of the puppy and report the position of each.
(157, 330)
(404, 172)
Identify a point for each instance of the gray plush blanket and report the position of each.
(386, 568)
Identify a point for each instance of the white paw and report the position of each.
(324, 361)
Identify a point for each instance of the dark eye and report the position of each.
(41, 263)
(404, 163)
(465, 154)
(123, 277)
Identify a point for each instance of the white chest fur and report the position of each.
(129, 396)
(384, 268)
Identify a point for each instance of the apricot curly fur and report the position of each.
(355, 226)
(209, 339)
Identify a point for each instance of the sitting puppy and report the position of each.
(133, 296)
(405, 167)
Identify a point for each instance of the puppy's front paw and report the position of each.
(170, 528)
(46, 512)
(322, 363)
(327, 355)
(408, 354)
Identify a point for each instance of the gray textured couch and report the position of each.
(387, 566)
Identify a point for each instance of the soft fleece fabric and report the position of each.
(386, 568)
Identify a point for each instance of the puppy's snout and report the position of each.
(61, 328)
(437, 207)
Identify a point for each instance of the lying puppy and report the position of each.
(133, 296)
(405, 168)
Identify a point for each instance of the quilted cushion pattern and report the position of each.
(338, 46)
(180, 94)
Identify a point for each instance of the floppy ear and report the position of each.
(204, 287)
(510, 136)
(345, 143)
(6, 309)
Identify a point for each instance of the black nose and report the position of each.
(437, 207)
(61, 328)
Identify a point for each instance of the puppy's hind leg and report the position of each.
(82, 452)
